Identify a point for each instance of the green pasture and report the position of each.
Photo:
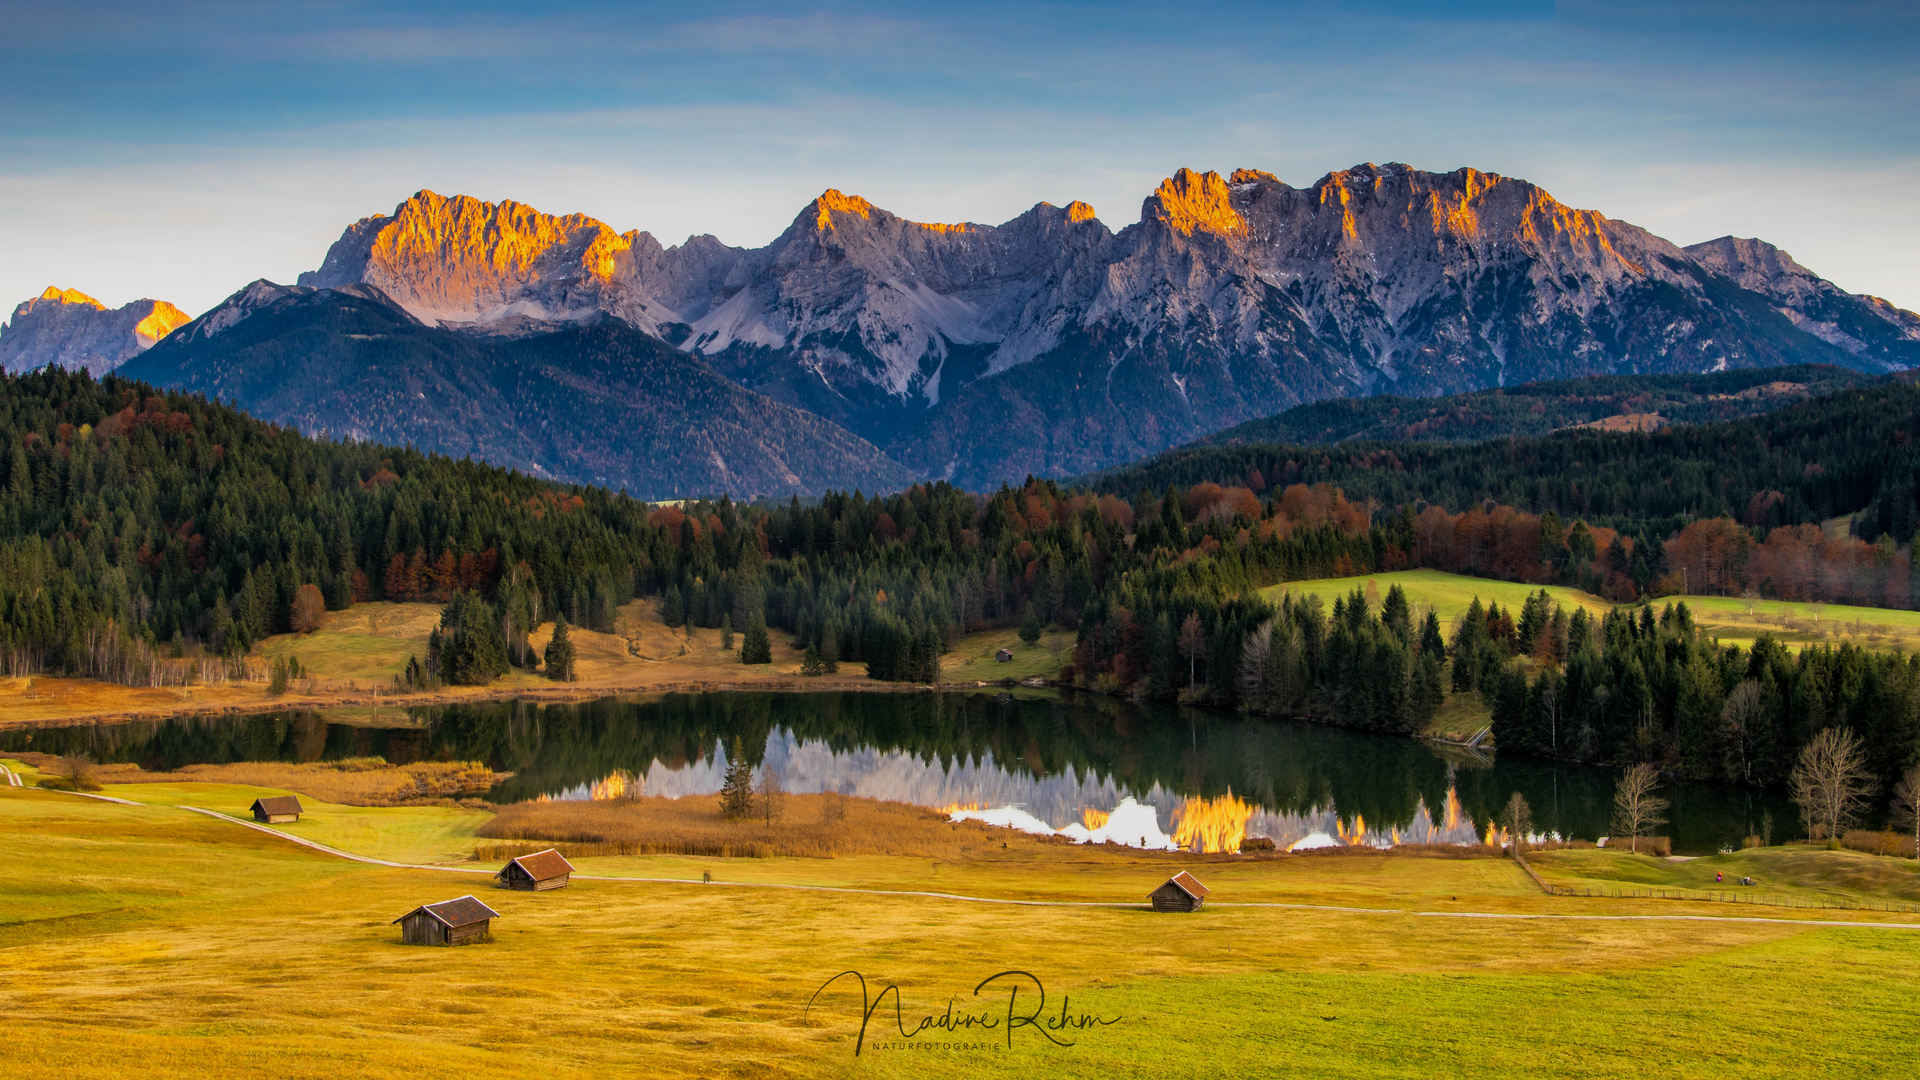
(1734, 620)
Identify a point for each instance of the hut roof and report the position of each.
(277, 804)
(1188, 884)
(542, 865)
(464, 911)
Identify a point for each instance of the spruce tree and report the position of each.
(726, 633)
(1030, 626)
(559, 655)
(757, 648)
(829, 650)
(736, 789)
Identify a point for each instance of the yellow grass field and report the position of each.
(149, 941)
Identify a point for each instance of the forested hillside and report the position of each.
(136, 525)
(1609, 402)
(1805, 463)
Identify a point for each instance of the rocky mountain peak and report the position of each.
(69, 328)
(70, 296)
(1189, 201)
(822, 209)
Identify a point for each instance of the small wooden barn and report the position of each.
(277, 809)
(464, 921)
(1180, 893)
(1004, 656)
(537, 872)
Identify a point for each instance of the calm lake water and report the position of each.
(1209, 776)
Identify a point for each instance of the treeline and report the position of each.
(1803, 464)
(1636, 686)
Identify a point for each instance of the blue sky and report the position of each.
(181, 150)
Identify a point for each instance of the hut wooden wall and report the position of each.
(1171, 897)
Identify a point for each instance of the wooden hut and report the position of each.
(464, 921)
(1004, 656)
(277, 809)
(1180, 893)
(537, 872)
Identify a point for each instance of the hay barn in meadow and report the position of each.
(1181, 893)
(537, 872)
(464, 921)
(277, 809)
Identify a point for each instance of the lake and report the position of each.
(1064, 759)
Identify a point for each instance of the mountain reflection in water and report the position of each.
(1211, 777)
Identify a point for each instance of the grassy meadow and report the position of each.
(149, 941)
(1733, 619)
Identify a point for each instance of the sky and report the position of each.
(180, 151)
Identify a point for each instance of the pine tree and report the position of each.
(726, 633)
(811, 664)
(559, 655)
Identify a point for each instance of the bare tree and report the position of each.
(1831, 782)
(1517, 820)
(1193, 645)
(772, 794)
(1635, 806)
(1906, 804)
(78, 769)
(1742, 716)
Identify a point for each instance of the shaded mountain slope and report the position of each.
(596, 402)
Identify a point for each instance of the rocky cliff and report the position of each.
(71, 329)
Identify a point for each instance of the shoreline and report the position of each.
(551, 694)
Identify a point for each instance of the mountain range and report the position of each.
(1052, 345)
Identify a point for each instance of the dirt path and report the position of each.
(337, 853)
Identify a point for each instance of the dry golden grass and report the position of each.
(152, 942)
(353, 782)
(808, 826)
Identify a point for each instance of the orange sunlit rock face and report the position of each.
(70, 296)
(165, 320)
(1078, 211)
(831, 200)
(1212, 825)
(1190, 200)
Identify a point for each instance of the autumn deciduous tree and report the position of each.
(309, 608)
(1517, 820)
(1635, 806)
(1831, 783)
